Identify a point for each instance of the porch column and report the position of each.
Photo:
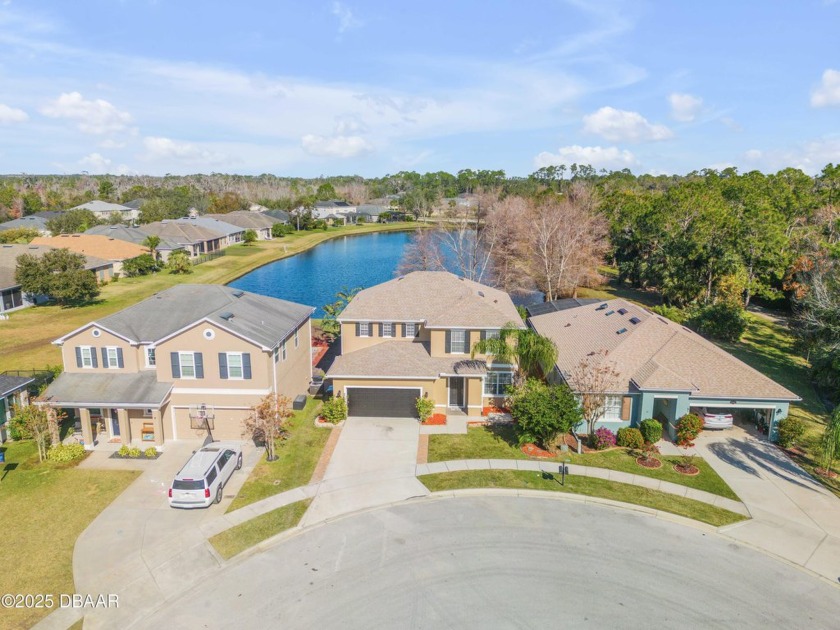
(158, 423)
(87, 430)
(125, 426)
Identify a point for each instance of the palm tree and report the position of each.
(152, 242)
(533, 354)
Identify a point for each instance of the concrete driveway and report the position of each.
(793, 516)
(373, 464)
(504, 562)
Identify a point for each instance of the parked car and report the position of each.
(200, 482)
(716, 418)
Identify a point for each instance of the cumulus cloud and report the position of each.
(158, 148)
(811, 156)
(610, 158)
(684, 107)
(335, 146)
(346, 20)
(618, 125)
(99, 164)
(12, 115)
(93, 116)
(828, 92)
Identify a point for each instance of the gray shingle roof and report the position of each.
(264, 320)
(31, 222)
(102, 206)
(9, 384)
(140, 389)
(410, 359)
(182, 233)
(246, 219)
(10, 253)
(222, 227)
(130, 235)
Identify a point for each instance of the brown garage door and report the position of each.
(382, 402)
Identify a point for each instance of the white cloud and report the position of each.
(610, 158)
(811, 157)
(12, 115)
(335, 146)
(95, 117)
(346, 20)
(618, 125)
(731, 123)
(96, 163)
(158, 148)
(828, 92)
(684, 107)
(110, 143)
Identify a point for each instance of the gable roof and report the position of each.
(102, 206)
(31, 222)
(653, 353)
(439, 298)
(280, 215)
(222, 227)
(10, 252)
(409, 359)
(93, 245)
(130, 235)
(10, 384)
(261, 319)
(246, 219)
(181, 233)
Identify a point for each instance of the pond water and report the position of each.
(314, 277)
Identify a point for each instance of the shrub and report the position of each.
(671, 312)
(17, 429)
(65, 452)
(279, 230)
(791, 431)
(249, 237)
(124, 451)
(719, 321)
(141, 265)
(688, 428)
(334, 410)
(425, 407)
(150, 452)
(134, 452)
(542, 412)
(651, 430)
(630, 438)
(603, 438)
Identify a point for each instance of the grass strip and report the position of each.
(245, 535)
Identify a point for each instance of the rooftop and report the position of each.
(9, 384)
(138, 390)
(102, 206)
(9, 255)
(97, 245)
(130, 235)
(410, 359)
(246, 219)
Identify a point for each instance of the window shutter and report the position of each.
(78, 357)
(380, 329)
(105, 357)
(120, 363)
(358, 329)
(223, 369)
(246, 365)
(199, 365)
(94, 361)
(448, 342)
(482, 334)
(626, 407)
(176, 365)
(402, 330)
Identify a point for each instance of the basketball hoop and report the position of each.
(202, 416)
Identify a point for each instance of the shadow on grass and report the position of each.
(504, 432)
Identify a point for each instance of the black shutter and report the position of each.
(199, 365)
(380, 329)
(482, 334)
(223, 369)
(78, 357)
(246, 365)
(120, 363)
(105, 358)
(93, 360)
(448, 342)
(358, 329)
(402, 330)
(176, 365)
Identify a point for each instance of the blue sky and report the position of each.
(359, 87)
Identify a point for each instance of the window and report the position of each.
(458, 341)
(234, 364)
(364, 329)
(410, 329)
(150, 357)
(187, 362)
(491, 334)
(612, 408)
(297, 340)
(111, 356)
(87, 357)
(147, 413)
(387, 329)
(283, 350)
(495, 383)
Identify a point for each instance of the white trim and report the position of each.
(108, 356)
(449, 405)
(146, 349)
(221, 392)
(347, 397)
(181, 366)
(668, 396)
(241, 377)
(92, 351)
(309, 338)
(174, 422)
(479, 328)
(61, 340)
(391, 378)
(297, 338)
(735, 406)
(240, 407)
(367, 334)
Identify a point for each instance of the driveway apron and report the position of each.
(373, 464)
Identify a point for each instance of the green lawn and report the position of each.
(499, 442)
(45, 507)
(244, 536)
(26, 339)
(297, 457)
(646, 497)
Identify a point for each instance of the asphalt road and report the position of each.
(504, 562)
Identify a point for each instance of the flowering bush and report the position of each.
(630, 438)
(150, 452)
(688, 428)
(603, 438)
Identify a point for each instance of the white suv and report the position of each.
(200, 482)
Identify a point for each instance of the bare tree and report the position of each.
(423, 253)
(592, 380)
(267, 422)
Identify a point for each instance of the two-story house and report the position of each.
(412, 336)
(183, 360)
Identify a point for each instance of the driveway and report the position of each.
(504, 562)
(373, 464)
(793, 516)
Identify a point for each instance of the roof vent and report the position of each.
(622, 311)
(481, 293)
(567, 324)
(635, 320)
(238, 294)
(621, 331)
(601, 307)
(227, 316)
(608, 313)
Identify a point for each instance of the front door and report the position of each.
(115, 423)
(456, 392)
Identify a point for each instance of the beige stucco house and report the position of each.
(190, 355)
(412, 337)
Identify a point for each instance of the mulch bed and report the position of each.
(649, 463)
(532, 450)
(435, 420)
(690, 471)
(486, 411)
(116, 455)
(830, 474)
(326, 424)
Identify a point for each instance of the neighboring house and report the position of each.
(30, 222)
(371, 212)
(11, 296)
(412, 336)
(136, 236)
(135, 204)
(664, 370)
(260, 223)
(195, 239)
(14, 392)
(99, 246)
(335, 211)
(156, 371)
(280, 215)
(231, 233)
(104, 210)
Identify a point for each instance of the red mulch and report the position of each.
(826, 473)
(649, 463)
(436, 419)
(532, 450)
(486, 411)
(691, 471)
(572, 444)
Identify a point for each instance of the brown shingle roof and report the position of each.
(652, 354)
(10, 253)
(410, 359)
(439, 298)
(97, 245)
(246, 219)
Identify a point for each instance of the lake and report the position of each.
(314, 277)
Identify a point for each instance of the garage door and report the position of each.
(382, 402)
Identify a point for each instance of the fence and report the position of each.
(203, 258)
